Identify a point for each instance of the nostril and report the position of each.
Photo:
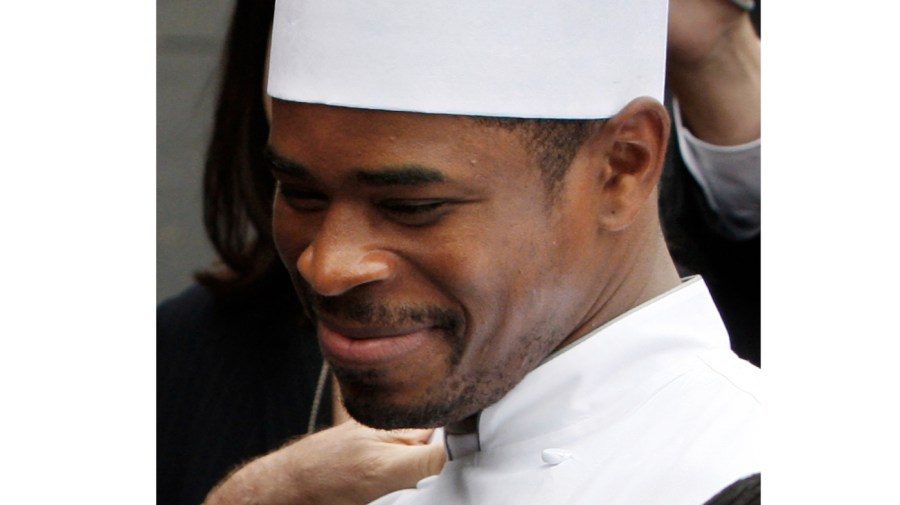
(305, 264)
(335, 271)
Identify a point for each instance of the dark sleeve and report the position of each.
(235, 380)
(746, 491)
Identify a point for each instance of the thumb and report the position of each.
(408, 436)
(424, 460)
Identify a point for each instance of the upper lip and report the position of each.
(359, 332)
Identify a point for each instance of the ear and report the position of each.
(633, 149)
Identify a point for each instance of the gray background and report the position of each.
(189, 38)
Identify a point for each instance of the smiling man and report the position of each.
(466, 203)
(442, 261)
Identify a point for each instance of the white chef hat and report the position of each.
(574, 59)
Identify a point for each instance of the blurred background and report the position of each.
(189, 38)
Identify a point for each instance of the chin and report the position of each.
(375, 407)
(380, 406)
(375, 413)
(382, 399)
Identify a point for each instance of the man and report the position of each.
(504, 278)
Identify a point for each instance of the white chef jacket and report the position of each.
(651, 408)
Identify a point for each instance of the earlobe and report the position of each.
(635, 143)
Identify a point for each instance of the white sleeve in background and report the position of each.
(729, 177)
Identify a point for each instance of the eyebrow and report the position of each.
(281, 164)
(397, 175)
(401, 175)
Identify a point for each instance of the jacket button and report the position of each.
(555, 456)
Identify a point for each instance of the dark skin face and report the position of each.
(426, 249)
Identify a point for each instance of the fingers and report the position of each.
(407, 465)
(431, 460)
(402, 436)
(409, 436)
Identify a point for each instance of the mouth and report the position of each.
(367, 346)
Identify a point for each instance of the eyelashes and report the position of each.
(413, 207)
(406, 211)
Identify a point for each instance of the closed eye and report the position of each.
(414, 207)
(301, 198)
(416, 212)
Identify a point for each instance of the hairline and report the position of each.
(553, 143)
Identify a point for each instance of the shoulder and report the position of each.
(192, 319)
(741, 374)
(185, 308)
(718, 397)
(199, 316)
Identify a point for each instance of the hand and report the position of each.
(698, 28)
(714, 70)
(348, 464)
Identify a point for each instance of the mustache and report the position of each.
(365, 311)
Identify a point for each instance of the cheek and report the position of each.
(533, 278)
(494, 275)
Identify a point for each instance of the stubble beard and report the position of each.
(452, 399)
(366, 398)
(363, 390)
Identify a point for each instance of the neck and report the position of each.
(463, 427)
(644, 270)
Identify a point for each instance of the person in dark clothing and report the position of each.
(236, 378)
(237, 365)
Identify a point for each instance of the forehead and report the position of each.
(314, 133)
(299, 114)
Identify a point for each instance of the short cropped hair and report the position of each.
(552, 142)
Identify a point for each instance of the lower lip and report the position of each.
(368, 351)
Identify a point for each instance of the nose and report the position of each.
(344, 255)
